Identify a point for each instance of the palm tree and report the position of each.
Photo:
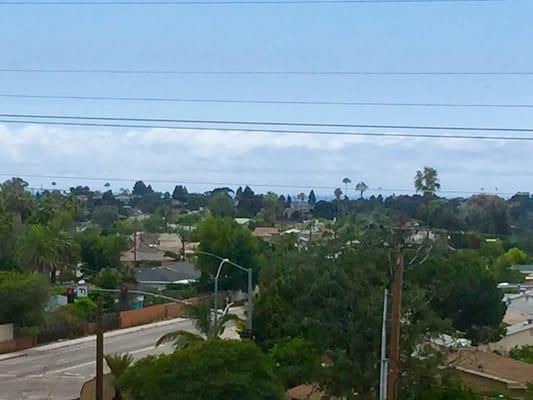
(204, 324)
(346, 182)
(118, 364)
(427, 181)
(45, 249)
(361, 187)
(301, 197)
(338, 194)
(107, 184)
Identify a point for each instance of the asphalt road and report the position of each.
(59, 373)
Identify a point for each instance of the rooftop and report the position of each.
(492, 366)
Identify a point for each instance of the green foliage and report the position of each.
(221, 204)
(155, 224)
(118, 364)
(522, 353)
(46, 249)
(108, 278)
(22, 298)
(272, 207)
(331, 295)
(99, 251)
(502, 265)
(105, 217)
(463, 291)
(216, 369)
(83, 307)
(297, 361)
(225, 238)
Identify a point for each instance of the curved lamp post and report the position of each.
(249, 303)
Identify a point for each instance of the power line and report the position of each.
(105, 71)
(263, 101)
(227, 2)
(214, 129)
(219, 183)
(268, 123)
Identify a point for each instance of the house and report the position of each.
(161, 276)
(487, 372)
(243, 221)
(150, 248)
(519, 334)
(265, 233)
(306, 392)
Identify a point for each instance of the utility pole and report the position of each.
(384, 362)
(99, 352)
(394, 340)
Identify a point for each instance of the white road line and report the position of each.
(61, 370)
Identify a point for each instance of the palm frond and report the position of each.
(118, 363)
(181, 339)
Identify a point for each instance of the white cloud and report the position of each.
(262, 158)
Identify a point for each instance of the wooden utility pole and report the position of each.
(99, 352)
(394, 339)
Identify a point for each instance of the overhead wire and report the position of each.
(223, 2)
(264, 123)
(214, 129)
(405, 73)
(263, 101)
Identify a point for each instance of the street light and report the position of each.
(249, 303)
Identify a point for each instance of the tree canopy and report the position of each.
(215, 369)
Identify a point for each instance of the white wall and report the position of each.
(6, 332)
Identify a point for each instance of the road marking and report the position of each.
(8, 375)
(60, 370)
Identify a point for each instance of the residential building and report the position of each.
(488, 372)
(520, 334)
(265, 233)
(160, 277)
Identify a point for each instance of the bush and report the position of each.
(62, 323)
(215, 369)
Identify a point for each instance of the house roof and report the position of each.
(520, 327)
(304, 392)
(265, 232)
(492, 366)
(144, 253)
(173, 272)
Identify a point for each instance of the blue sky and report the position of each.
(469, 36)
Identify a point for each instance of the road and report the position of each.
(58, 373)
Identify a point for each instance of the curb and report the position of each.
(110, 334)
(11, 356)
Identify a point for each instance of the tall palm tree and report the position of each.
(361, 187)
(338, 194)
(427, 181)
(204, 324)
(118, 364)
(301, 197)
(346, 182)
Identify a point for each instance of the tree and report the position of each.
(180, 193)
(221, 204)
(427, 181)
(225, 238)
(108, 278)
(330, 295)
(522, 353)
(46, 250)
(100, 251)
(361, 187)
(338, 194)
(297, 361)
(140, 189)
(22, 299)
(105, 216)
(463, 291)
(216, 369)
(248, 202)
(204, 323)
(272, 207)
(346, 182)
(16, 199)
(301, 197)
(311, 198)
(118, 364)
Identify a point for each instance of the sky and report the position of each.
(450, 36)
